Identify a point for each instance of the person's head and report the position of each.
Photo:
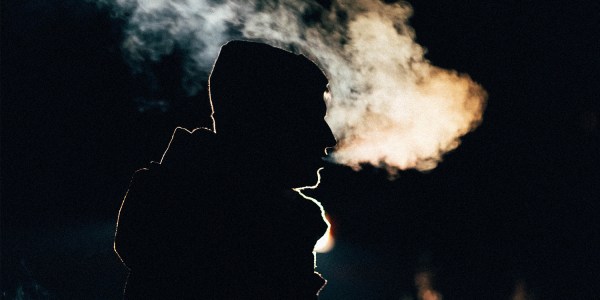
(268, 104)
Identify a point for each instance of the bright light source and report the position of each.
(326, 242)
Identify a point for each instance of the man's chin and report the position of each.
(310, 179)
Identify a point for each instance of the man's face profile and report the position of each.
(308, 143)
(270, 102)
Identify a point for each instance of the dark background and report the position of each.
(516, 203)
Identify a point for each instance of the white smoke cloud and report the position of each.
(388, 105)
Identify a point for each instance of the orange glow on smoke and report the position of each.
(520, 292)
(425, 287)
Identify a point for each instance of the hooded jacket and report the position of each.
(191, 228)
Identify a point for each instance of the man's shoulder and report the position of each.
(185, 143)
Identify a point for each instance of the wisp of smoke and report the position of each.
(387, 105)
(424, 287)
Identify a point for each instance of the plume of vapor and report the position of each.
(424, 287)
(387, 105)
(521, 292)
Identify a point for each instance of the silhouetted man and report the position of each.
(217, 218)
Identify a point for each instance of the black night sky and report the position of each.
(516, 204)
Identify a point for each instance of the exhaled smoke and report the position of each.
(388, 105)
(424, 287)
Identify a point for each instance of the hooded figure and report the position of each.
(218, 218)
